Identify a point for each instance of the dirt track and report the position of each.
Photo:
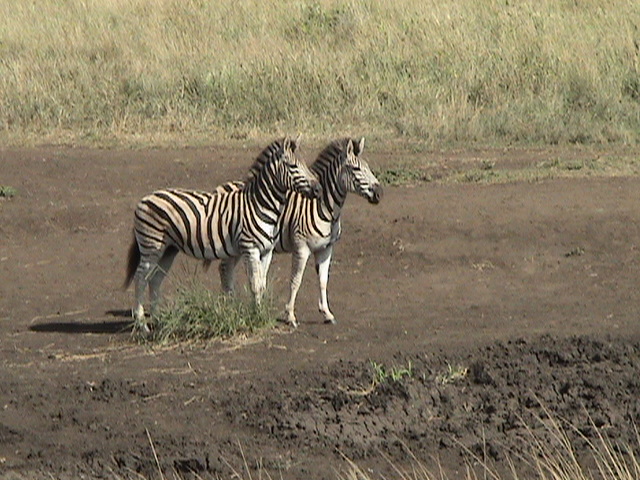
(533, 287)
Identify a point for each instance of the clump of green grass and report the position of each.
(7, 191)
(196, 313)
(453, 374)
(575, 252)
(395, 373)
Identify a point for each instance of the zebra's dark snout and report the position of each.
(316, 190)
(377, 194)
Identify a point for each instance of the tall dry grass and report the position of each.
(439, 72)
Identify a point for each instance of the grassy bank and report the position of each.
(438, 72)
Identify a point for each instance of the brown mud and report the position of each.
(528, 288)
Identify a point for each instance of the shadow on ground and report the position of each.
(105, 327)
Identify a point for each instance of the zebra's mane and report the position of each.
(330, 153)
(275, 148)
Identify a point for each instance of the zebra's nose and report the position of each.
(316, 190)
(377, 193)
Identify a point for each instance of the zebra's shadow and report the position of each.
(101, 327)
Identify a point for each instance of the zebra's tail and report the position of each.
(132, 263)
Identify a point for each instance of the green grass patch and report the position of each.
(452, 374)
(395, 373)
(7, 192)
(196, 313)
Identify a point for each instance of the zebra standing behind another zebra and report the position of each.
(312, 225)
(229, 223)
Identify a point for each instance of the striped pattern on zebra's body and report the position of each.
(196, 223)
(313, 225)
(226, 224)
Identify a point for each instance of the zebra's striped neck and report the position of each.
(264, 191)
(262, 188)
(327, 168)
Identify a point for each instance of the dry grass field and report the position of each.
(436, 73)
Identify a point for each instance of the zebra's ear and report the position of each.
(288, 145)
(291, 145)
(359, 147)
(296, 143)
(349, 148)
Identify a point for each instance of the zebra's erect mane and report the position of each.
(331, 152)
(271, 151)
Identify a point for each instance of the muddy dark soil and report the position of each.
(494, 307)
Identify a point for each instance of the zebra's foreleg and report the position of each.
(265, 263)
(323, 261)
(254, 272)
(227, 270)
(298, 264)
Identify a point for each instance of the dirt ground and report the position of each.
(530, 287)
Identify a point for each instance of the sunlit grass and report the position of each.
(437, 72)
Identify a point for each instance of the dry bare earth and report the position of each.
(533, 286)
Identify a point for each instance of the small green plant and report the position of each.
(452, 375)
(381, 374)
(487, 164)
(196, 313)
(7, 192)
(575, 252)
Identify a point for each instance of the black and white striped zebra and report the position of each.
(313, 225)
(229, 223)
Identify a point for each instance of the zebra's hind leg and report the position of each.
(143, 271)
(157, 275)
(323, 261)
(298, 264)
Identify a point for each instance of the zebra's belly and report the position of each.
(319, 243)
(214, 252)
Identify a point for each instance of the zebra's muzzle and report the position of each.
(316, 190)
(377, 194)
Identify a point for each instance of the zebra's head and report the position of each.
(356, 175)
(294, 173)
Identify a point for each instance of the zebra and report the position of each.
(312, 225)
(227, 224)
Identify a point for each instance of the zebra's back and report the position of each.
(200, 224)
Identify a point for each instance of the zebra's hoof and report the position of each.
(143, 330)
(288, 318)
(330, 321)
